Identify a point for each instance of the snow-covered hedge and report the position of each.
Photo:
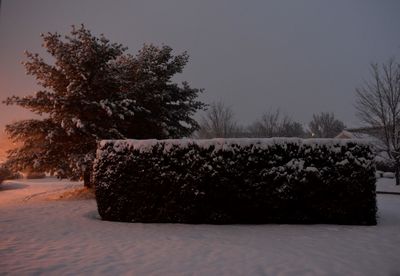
(236, 181)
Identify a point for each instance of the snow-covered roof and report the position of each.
(347, 134)
(363, 134)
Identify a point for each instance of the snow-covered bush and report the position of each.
(236, 181)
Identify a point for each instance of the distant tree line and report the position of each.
(219, 122)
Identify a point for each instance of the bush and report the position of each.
(7, 174)
(384, 166)
(3, 174)
(35, 175)
(223, 181)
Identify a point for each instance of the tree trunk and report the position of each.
(397, 172)
(87, 181)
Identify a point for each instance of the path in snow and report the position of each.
(67, 237)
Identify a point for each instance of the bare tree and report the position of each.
(219, 122)
(378, 106)
(275, 124)
(324, 125)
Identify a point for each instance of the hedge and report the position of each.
(226, 181)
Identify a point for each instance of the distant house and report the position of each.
(366, 134)
(370, 135)
(346, 134)
(360, 133)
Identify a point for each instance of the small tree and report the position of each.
(219, 122)
(274, 124)
(92, 91)
(325, 125)
(378, 107)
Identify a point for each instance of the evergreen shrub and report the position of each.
(226, 181)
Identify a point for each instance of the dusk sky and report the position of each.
(300, 56)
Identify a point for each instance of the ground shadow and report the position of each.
(12, 186)
(93, 215)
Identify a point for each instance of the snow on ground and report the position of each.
(24, 190)
(387, 185)
(41, 236)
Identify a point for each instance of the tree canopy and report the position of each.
(276, 124)
(325, 125)
(93, 90)
(219, 122)
(378, 107)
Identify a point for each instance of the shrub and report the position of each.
(3, 174)
(384, 166)
(223, 181)
(7, 174)
(35, 175)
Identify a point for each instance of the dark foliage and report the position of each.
(35, 175)
(7, 174)
(291, 182)
(384, 166)
(3, 174)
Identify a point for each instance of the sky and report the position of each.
(301, 56)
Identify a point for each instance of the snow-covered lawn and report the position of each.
(387, 185)
(41, 235)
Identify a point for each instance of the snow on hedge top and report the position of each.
(226, 143)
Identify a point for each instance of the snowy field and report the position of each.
(43, 234)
